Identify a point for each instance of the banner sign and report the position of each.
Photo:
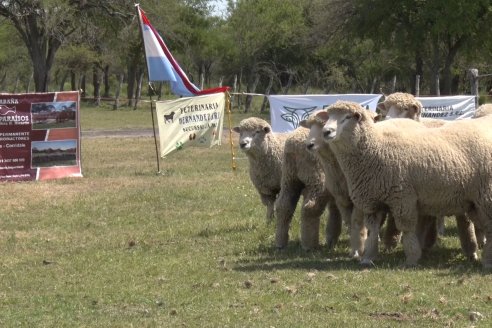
(448, 108)
(39, 136)
(194, 121)
(287, 111)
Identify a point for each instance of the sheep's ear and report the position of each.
(416, 108)
(358, 116)
(304, 124)
(236, 129)
(267, 129)
(322, 115)
(381, 107)
(378, 118)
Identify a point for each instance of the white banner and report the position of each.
(287, 111)
(194, 121)
(448, 108)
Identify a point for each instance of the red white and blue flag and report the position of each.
(162, 66)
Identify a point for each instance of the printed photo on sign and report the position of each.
(54, 115)
(54, 153)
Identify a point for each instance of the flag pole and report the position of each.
(153, 127)
(228, 108)
(137, 8)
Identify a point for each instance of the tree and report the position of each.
(433, 31)
(45, 25)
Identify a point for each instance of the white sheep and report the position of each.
(335, 183)
(302, 175)
(264, 150)
(413, 169)
(405, 105)
(270, 172)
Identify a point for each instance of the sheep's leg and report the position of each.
(441, 227)
(466, 232)
(487, 249)
(372, 222)
(427, 231)
(406, 220)
(480, 236)
(358, 233)
(334, 225)
(411, 247)
(284, 208)
(313, 207)
(269, 202)
(392, 235)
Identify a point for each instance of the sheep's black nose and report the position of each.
(327, 133)
(242, 144)
(310, 146)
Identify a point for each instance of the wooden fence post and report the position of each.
(474, 84)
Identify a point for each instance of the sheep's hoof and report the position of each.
(354, 255)
(367, 264)
(330, 243)
(406, 266)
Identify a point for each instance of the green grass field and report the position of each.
(127, 247)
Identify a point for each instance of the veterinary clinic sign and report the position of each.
(287, 111)
(39, 136)
(448, 108)
(194, 121)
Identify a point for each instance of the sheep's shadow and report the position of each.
(269, 258)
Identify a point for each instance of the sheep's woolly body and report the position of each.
(302, 175)
(483, 110)
(271, 172)
(265, 159)
(413, 169)
(337, 186)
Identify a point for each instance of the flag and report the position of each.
(162, 66)
(190, 121)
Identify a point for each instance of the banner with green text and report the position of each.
(194, 121)
(39, 136)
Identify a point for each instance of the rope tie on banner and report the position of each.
(228, 108)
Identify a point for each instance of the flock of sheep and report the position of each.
(407, 171)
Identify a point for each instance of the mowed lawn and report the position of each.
(125, 246)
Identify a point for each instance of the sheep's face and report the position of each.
(411, 111)
(338, 122)
(251, 138)
(315, 138)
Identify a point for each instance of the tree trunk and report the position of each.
(118, 91)
(96, 82)
(82, 84)
(447, 76)
(252, 89)
(138, 92)
(106, 81)
(3, 82)
(16, 85)
(267, 92)
(435, 68)
(28, 89)
(73, 81)
(289, 83)
(63, 80)
(130, 89)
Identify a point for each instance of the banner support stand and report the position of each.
(153, 128)
(228, 109)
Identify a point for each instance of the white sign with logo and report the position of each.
(287, 111)
(448, 108)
